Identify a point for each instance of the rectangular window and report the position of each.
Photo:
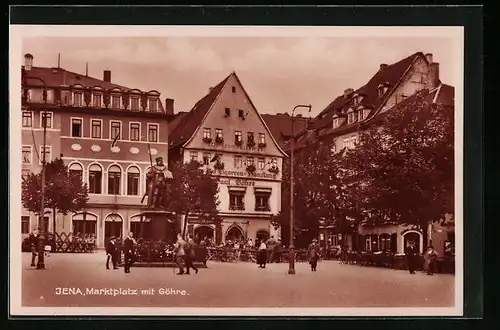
(233, 89)
(241, 114)
(352, 117)
(262, 202)
(236, 200)
(47, 151)
(115, 102)
(227, 112)
(114, 183)
(350, 142)
(25, 225)
(134, 103)
(153, 105)
(262, 163)
(193, 156)
(27, 155)
(96, 128)
(77, 99)
(97, 100)
(262, 138)
(218, 133)
(48, 119)
(207, 133)
(153, 132)
(95, 180)
(135, 132)
(250, 137)
(84, 227)
(116, 130)
(335, 123)
(238, 137)
(76, 127)
(27, 119)
(206, 158)
(132, 184)
(250, 161)
(237, 162)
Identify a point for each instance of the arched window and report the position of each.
(133, 181)
(95, 179)
(76, 170)
(114, 179)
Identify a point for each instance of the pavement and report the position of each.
(81, 280)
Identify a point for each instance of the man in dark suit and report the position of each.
(411, 251)
(34, 241)
(190, 250)
(128, 251)
(111, 252)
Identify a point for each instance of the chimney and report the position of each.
(428, 57)
(28, 62)
(348, 92)
(169, 106)
(383, 66)
(434, 74)
(106, 76)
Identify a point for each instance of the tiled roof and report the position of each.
(280, 125)
(55, 77)
(390, 75)
(188, 123)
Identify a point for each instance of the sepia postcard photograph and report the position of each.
(236, 170)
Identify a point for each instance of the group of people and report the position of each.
(270, 251)
(430, 258)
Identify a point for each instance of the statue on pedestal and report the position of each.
(156, 183)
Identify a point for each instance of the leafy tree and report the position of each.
(64, 191)
(403, 170)
(194, 191)
(319, 191)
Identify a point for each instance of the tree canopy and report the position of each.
(64, 191)
(403, 170)
(193, 191)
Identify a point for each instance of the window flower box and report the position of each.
(207, 140)
(274, 169)
(262, 145)
(219, 139)
(251, 168)
(219, 166)
(251, 143)
(238, 142)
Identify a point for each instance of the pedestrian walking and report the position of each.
(313, 254)
(237, 250)
(262, 255)
(180, 253)
(128, 251)
(430, 260)
(271, 242)
(411, 252)
(111, 253)
(34, 240)
(190, 250)
(203, 256)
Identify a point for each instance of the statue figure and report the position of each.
(156, 183)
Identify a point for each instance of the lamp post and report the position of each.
(41, 242)
(291, 256)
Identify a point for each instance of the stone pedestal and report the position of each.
(163, 225)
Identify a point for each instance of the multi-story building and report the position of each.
(225, 132)
(356, 110)
(104, 131)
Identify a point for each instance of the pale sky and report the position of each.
(277, 72)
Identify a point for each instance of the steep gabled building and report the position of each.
(225, 132)
(358, 109)
(102, 131)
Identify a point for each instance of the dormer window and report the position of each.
(153, 105)
(382, 89)
(336, 122)
(77, 99)
(352, 117)
(134, 103)
(361, 115)
(97, 100)
(115, 101)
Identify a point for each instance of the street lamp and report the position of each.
(41, 244)
(291, 256)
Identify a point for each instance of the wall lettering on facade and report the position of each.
(241, 148)
(237, 182)
(258, 175)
